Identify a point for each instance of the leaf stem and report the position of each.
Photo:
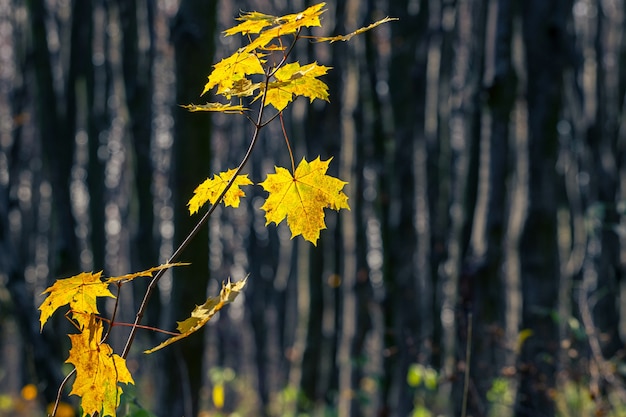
(282, 125)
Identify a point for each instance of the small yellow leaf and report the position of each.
(211, 189)
(301, 198)
(293, 79)
(349, 36)
(216, 107)
(203, 313)
(98, 371)
(233, 68)
(523, 335)
(275, 27)
(146, 273)
(218, 395)
(79, 291)
(309, 17)
(252, 22)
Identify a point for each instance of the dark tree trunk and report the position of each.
(394, 156)
(136, 18)
(602, 139)
(545, 43)
(481, 289)
(57, 146)
(192, 32)
(57, 143)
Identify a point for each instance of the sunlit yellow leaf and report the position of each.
(301, 198)
(211, 189)
(216, 107)
(309, 17)
(286, 25)
(98, 372)
(79, 291)
(146, 273)
(349, 36)
(274, 48)
(523, 335)
(252, 22)
(218, 395)
(295, 80)
(203, 313)
(232, 69)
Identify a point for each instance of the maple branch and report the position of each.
(195, 230)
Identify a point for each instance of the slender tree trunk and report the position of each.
(602, 139)
(192, 31)
(401, 124)
(136, 18)
(57, 143)
(137, 21)
(481, 290)
(545, 43)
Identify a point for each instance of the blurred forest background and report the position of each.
(478, 273)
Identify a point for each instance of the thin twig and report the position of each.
(60, 392)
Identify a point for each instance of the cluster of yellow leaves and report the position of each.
(99, 371)
(300, 197)
(232, 75)
(247, 73)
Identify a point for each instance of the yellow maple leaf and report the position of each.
(203, 313)
(278, 26)
(98, 371)
(232, 69)
(350, 35)
(79, 291)
(216, 107)
(146, 273)
(211, 189)
(293, 79)
(252, 22)
(307, 18)
(301, 198)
